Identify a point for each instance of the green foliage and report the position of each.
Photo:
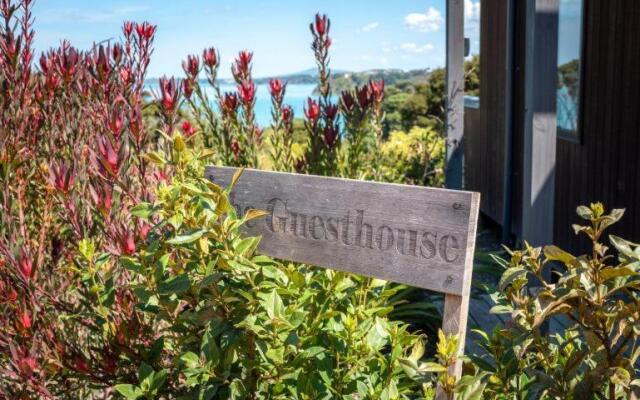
(595, 295)
(416, 157)
(231, 324)
(420, 103)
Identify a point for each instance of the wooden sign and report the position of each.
(408, 234)
(414, 235)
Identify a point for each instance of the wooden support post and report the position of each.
(455, 94)
(541, 58)
(454, 322)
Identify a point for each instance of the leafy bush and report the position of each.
(595, 295)
(230, 324)
(416, 157)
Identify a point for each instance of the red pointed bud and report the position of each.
(330, 136)
(187, 88)
(287, 114)
(247, 92)
(276, 88)
(210, 57)
(235, 147)
(25, 265)
(27, 366)
(331, 111)
(347, 101)
(127, 28)
(23, 323)
(191, 66)
(376, 89)
(312, 110)
(187, 129)
(322, 24)
(363, 96)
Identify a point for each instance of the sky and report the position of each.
(404, 34)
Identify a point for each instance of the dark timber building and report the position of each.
(558, 120)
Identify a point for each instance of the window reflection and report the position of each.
(569, 60)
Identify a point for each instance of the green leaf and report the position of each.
(87, 249)
(273, 304)
(131, 392)
(584, 212)
(510, 275)
(177, 284)
(555, 253)
(378, 334)
(210, 349)
(142, 210)
(188, 238)
(247, 245)
(610, 273)
(432, 367)
(145, 371)
(131, 264)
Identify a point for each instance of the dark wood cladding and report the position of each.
(605, 165)
(484, 130)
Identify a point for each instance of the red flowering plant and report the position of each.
(282, 128)
(72, 167)
(362, 110)
(231, 131)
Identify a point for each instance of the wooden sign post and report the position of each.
(418, 236)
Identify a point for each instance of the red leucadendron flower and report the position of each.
(169, 94)
(287, 114)
(62, 176)
(191, 66)
(23, 322)
(210, 57)
(276, 88)
(25, 265)
(230, 103)
(247, 92)
(187, 129)
(312, 110)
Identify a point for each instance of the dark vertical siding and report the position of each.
(605, 165)
(484, 142)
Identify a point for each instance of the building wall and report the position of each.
(605, 165)
(484, 130)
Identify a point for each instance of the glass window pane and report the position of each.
(569, 60)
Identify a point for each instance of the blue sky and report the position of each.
(369, 34)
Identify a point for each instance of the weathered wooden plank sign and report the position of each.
(409, 234)
(419, 236)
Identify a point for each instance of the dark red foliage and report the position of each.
(287, 114)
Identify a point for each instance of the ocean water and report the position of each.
(296, 96)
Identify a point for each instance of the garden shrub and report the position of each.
(595, 295)
(416, 157)
(230, 324)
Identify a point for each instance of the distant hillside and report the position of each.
(340, 79)
(349, 80)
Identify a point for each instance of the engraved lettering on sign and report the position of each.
(353, 229)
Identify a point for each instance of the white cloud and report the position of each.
(369, 27)
(77, 15)
(471, 11)
(414, 48)
(431, 21)
(472, 23)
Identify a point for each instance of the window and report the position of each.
(570, 20)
